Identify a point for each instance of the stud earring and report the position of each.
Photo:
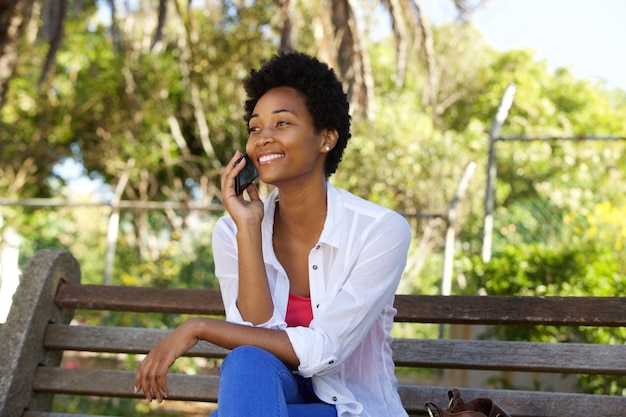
(327, 148)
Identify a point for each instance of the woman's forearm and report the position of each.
(231, 335)
(254, 300)
(151, 374)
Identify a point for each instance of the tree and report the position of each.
(165, 90)
(14, 15)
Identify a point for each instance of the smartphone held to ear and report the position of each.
(246, 176)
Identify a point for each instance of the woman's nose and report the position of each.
(263, 140)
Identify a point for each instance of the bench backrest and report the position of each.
(51, 290)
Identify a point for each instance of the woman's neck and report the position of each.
(301, 211)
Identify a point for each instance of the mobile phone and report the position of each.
(246, 175)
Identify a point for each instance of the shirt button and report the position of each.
(317, 247)
(335, 399)
(331, 362)
(315, 267)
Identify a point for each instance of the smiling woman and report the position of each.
(308, 275)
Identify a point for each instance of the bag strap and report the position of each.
(454, 399)
(479, 407)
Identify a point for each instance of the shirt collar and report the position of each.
(332, 226)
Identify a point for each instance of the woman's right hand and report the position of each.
(151, 374)
(241, 210)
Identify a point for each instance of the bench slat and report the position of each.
(140, 299)
(116, 383)
(470, 309)
(52, 414)
(456, 309)
(118, 340)
(520, 403)
(427, 353)
(204, 388)
(511, 356)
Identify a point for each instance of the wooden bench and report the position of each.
(37, 334)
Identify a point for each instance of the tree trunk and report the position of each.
(284, 25)
(352, 60)
(14, 15)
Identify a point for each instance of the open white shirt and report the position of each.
(354, 271)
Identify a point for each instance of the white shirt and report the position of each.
(354, 271)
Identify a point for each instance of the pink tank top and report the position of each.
(299, 311)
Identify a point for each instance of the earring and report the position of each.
(327, 148)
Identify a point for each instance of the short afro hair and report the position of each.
(323, 95)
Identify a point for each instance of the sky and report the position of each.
(587, 37)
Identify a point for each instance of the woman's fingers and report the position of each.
(158, 387)
(230, 172)
(240, 208)
(151, 378)
(153, 385)
(253, 193)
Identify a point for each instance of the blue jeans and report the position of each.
(253, 382)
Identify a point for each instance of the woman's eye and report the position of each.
(252, 129)
(282, 123)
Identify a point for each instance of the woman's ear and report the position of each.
(330, 139)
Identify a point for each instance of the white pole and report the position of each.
(114, 223)
(9, 278)
(501, 115)
(448, 258)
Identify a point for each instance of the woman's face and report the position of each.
(283, 143)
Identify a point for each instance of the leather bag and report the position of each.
(479, 407)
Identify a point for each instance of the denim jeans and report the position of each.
(254, 383)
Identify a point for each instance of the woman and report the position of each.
(307, 276)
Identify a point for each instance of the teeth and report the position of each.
(268, 158)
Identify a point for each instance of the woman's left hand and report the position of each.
(152, 371)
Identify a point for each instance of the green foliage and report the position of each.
(67, 228)
(540, 270)
(175, 266)
(588, 269)
(553, 192)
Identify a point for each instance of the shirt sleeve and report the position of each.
(367, 286)
(225, 255)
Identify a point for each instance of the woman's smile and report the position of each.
(269, 158)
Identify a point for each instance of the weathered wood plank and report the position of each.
(204, 388)
(511, 356)
(461, 309)
(425, 353)
(140, 299)
(520, 403)
(116, 383)
(456, 309)
(52, 414)
(117, 340)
